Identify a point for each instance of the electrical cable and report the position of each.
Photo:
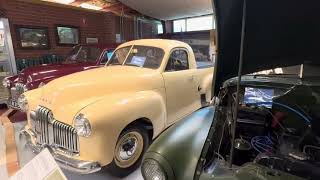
(220, 156)
(224, 124)
(262, 144)
(285, 106)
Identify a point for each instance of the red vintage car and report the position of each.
(82, 57)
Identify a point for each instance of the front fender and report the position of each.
(12, 78)
(35, 84)
(181, 145)
(33, 97)
(110, 115)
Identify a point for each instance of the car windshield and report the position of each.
(84, 54)
(119, 56)
(140, 56)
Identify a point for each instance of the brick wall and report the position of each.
(92, 24)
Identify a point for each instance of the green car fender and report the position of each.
(178, 149)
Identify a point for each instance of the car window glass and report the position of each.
(178, 61)
(203, 59)
(106, 56)
(119, 56)
(145, 56)
(85, 54)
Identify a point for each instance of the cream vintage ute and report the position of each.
(108, 116)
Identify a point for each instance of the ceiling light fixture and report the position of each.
(64, 1)
(90, 6)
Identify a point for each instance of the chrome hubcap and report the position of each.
(128, 150)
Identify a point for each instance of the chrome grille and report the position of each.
(65, 136)
(54, 132)
(42, 125)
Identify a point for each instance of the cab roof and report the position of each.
(164, 44)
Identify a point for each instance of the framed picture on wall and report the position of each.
(67, 35)
(32, 37)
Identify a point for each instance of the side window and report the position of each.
(178, 61)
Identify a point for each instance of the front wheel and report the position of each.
(131, 145)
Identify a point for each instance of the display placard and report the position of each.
(41, 167)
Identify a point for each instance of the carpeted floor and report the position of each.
(18, 117)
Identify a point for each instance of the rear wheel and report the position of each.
(130, 147)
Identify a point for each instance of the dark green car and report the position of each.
(262, 126)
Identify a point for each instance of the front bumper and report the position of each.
(64, 160)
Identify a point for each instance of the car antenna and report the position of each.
(233, 133)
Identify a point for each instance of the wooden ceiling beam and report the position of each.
(119, 7)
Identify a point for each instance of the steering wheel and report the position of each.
(178, 62)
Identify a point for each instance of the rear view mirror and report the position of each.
(134, 51)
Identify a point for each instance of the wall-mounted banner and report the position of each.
(118, 38)
(92, 40)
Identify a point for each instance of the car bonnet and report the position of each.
(277, 34)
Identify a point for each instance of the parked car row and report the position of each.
(107, 116)
(82, 57)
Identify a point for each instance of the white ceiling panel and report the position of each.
(170, 9)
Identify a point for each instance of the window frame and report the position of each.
(171, 52)
(186, 24)
(158, 29)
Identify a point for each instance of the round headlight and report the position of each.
(23, 103)
(82, 125)
(151, 170)
(6, 82)
(41, 84)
